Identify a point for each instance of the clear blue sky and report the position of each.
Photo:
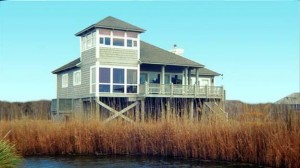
(254, 44)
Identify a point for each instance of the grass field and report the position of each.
(259, 139)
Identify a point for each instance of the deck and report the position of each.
(182, 91)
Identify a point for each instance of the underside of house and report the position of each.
(120, 76)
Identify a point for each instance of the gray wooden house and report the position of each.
(119, 75)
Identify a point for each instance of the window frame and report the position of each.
(65, 80)
(76, 83)
(112, 84)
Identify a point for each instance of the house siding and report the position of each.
(88, 59)
(118, 57)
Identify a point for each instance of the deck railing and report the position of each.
(149, 89)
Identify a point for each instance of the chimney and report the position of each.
(178, 51)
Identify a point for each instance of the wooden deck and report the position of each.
(182, 91)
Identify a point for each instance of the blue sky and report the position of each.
(254, 44)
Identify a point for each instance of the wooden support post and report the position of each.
(191, 109)
(162, 104)
(186, 76)
(137, 113)
(143, 110)
(97, 109)
(168, 112)
(197, 77)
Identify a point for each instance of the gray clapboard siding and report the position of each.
(88, 59)
(118, 57)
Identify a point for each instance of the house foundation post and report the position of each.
(191, 115)
(162, 104)
(137, 113)
(143, 110)
(168, 112)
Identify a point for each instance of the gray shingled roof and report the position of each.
(69, 65)
(205, 71)
(293, 98)
(151, 54)
(112, 23)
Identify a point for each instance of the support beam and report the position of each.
(120, 113)
(191, 115)
(114, 111)
(168, 112)
(137, 113)
(143, 110)
(162, 104)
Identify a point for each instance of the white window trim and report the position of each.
(65, 80)
(74, 79)
(166, 73)
(85, 38)
(125, 79)
(91, 79)
(111, 36)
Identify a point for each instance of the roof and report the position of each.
(112, 23)
(69, 65)
(151, 54)
(205, 72)
(293, 98)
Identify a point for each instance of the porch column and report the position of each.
(162, 77)
(197, 76)
(189, 77)
(186, 76)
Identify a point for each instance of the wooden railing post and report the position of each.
(206, 90)
(195, 91)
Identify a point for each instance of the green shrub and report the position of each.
(8, 156)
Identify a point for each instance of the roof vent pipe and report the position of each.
(178, 51)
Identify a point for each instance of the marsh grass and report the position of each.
(260, 140)
(8, 156)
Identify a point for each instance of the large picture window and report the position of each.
(131, 81)
(118, 80)
(104, 79)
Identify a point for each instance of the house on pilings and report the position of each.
(119, 75)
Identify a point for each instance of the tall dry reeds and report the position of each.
(269, 143)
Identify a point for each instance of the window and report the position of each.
(118, 38)
(132, 35)
(118, 80)
(88, 40)
(104, 79)
(105, 41)
(143, 78)
(131, 81)
(176, 79)
(64, 81)
(118, 42)
(77, 78)
(154, 77)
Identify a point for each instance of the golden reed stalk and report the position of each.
(268, 143)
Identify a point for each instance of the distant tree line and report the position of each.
(18, 110)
